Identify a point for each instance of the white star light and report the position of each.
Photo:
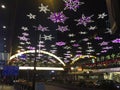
(109, 31)
(83, 33)
(31, 16)
(102, 16)
(71, 35)
(72, 41)
(49, 37)
(92, 28)
(24, 28)
(43, 8)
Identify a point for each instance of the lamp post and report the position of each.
(35, 64)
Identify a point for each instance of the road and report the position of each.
(49, 87)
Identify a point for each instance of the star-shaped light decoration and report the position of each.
(31, 48)
(72, 41)
(71, 35)
(85, 39)
(24, 28)
(49, 37)
(117, 40)
(31, 16)
(90, 50)
(72, 4)
(22, 43)
(20, 47)
(98, 38)
(61, 43)
(28, 42)
(43, 8)
(41, 28)
(25, 34)
(92, 28)
(23, 38)
(107, 47)
(41, 46)
(109, 31)
(83, 33)
(75, 45)
(102, 16)
(67, 47)
(62, 28)
(58, 17)
(84, 20)
(103, 51)
(103, 43)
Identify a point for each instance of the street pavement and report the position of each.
(50, 87)
(6, 87)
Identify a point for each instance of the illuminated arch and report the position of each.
(75, 59)
(40, 51)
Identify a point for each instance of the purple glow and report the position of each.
(60, 43)
(75, 45)
(117, 40)
(58, 17)
(31, 48)
(62, 28)
(104, 43)
(41, 28)
(84, 20)
(23, 38)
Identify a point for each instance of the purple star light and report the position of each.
(72, 4)
(84, 20)
(41, 28)
(62, 28)
(60, 43)
(58, 17)
(117, 40)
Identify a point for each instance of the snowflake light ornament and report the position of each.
(60, 43)
(41, 28)
(71, 35)
(23, 38)
(25, 34)
(72, 4)
(103, 43)
(58, 17)
(84, 20)
(117, 40)
(24, 28)
(75, 45)
(62, 28)
(49, 37)
(102, 16)
(109, 31)
(43, 8)
(92, 28)
(31, 16)
(98, 38)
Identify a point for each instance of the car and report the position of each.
(108, 84)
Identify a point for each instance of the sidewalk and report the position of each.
(5, 87)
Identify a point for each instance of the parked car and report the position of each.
(108, 84)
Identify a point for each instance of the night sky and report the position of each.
(85, 28)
